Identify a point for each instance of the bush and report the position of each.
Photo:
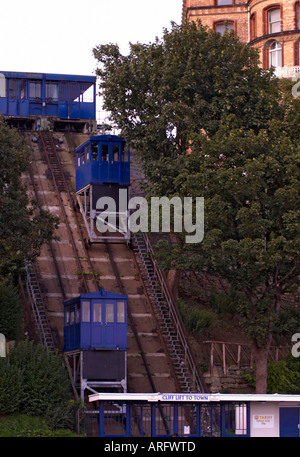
(45, 379)
(195, 319)
(11, 387)
(60, 416)
(10, 311)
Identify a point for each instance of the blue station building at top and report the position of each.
(64, 100)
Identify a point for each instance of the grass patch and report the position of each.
(20, 425)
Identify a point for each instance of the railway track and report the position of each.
(67, 268)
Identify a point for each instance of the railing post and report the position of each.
(211, 357)
(224, 358)
(239, 356)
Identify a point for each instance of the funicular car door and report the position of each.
(97, 324)
(115, 162)
(18, 104)
(103, 324)
(104, 161)
(109, 326)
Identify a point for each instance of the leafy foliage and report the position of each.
(10, 311)
(11, 387)
(282, 378)
(19, 425)
(162, 93)
(208, 122)
(45, 380)
(23, 226)
(195, 319)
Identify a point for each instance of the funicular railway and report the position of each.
(54, 115)
(70, 266)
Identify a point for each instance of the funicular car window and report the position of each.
(105, 152)
(85, 311)
(97, 312)
(120, 312)
(109, 312)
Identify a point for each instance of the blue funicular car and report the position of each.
(96, 320)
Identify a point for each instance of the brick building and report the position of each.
(271, 26)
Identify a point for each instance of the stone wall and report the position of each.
(231, 382)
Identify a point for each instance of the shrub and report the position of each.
(45, 379)
(10, 311)
(11, 387)
(195, 319)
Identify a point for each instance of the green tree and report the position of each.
(23, 226)
(198, 92)
(189, 81)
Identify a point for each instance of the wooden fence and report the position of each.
(225, 354)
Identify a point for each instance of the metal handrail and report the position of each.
(176, 318)
(42, 324)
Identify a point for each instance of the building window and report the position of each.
(297, 53)
(224, 2)
(253, 33)
(297, 15)
(223, 26)
(275, 55)
(272, 19)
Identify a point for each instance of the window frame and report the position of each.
(297, 53)
(266, 12)
(253, 26)
(223, 21)
(225, 4)
(277, 51)
(297, 15)
(52, 95)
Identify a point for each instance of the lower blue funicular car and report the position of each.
(95, 320)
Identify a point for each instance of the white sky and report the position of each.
(57, 36)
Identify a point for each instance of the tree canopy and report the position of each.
(208, 122)
(23, 226)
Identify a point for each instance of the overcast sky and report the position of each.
(57, 36)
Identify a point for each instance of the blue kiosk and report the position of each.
(95, 340)
(102, 182)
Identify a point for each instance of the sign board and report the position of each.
(263, 421)
(2, 345)
(185, 397)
